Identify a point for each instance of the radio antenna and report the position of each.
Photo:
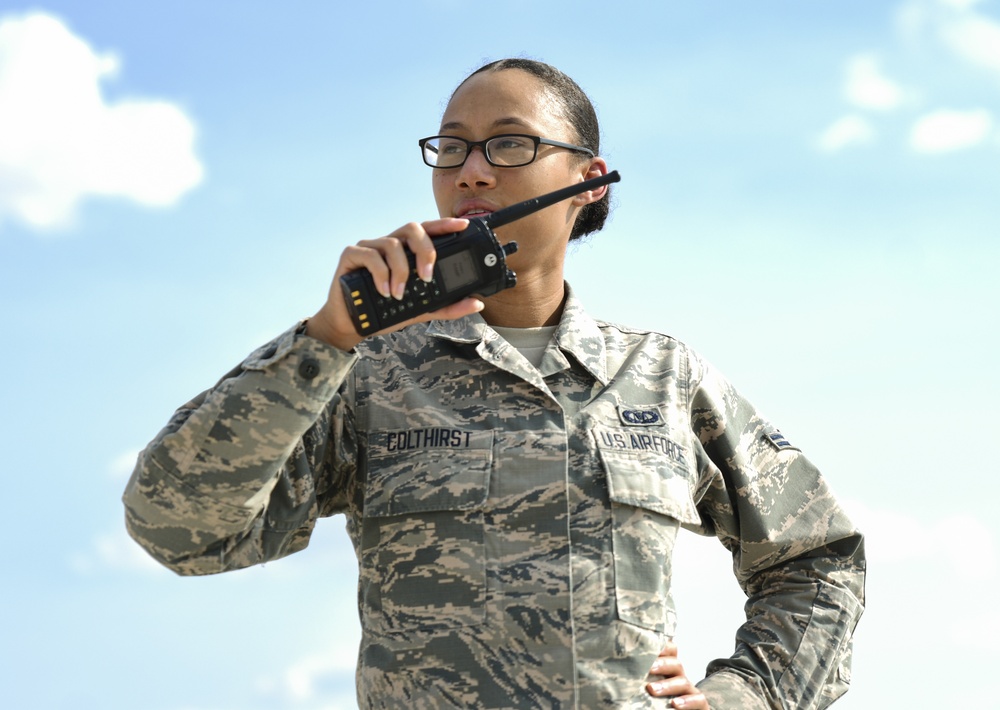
(523, 209)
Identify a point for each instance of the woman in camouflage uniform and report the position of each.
(513, 471)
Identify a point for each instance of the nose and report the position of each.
(476, 171)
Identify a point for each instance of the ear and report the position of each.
(594, 168)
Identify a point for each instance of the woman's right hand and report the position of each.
(385, 259)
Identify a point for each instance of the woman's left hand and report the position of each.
(671, 682)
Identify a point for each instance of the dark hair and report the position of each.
(582, 117)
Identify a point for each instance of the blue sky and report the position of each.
(808, 198)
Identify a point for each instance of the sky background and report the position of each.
(808, 198)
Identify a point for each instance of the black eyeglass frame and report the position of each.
(537, 140)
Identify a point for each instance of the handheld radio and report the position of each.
(468, 262)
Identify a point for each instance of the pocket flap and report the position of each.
(650, 480)
(424, 479)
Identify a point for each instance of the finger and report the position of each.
(422, 245)
(366, 255)
(681, 691)
(418, 239)
(670, 649)
(445, 225)
(667, 666)
(678, 685)
(395, 258)
(692, 701)
(465, 307)
(386, 259)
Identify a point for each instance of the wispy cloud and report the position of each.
(945, 131)
(980, 634)
(958, 541)
(949, 558)
(845, 132)
(323, 679)
(61, 141)
(962, 44)
(121, 467)
(114, 551)
(975, 38)
(867, 87)
(960, 4)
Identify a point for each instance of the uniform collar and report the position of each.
(578, 334)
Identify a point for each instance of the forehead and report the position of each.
(510, 99)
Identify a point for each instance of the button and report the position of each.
(309, 368)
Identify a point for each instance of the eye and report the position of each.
(509, 143)
(450, 146)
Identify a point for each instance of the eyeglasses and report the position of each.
(510, 150)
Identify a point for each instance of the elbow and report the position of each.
(170, 551)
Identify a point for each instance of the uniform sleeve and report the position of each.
(240, 473)
(796, 555)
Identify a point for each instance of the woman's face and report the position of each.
(513, 101)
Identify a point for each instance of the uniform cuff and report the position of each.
(315, 368)
(732, 690)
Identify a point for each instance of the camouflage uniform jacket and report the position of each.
(513, 525)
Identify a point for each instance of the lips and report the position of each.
(468, 209)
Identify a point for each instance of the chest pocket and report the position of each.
(650, 496)
(423, 555)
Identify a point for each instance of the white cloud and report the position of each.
(847, 131)
(314, 678)
(959, 4)
(960, 541)
(965, 33)
(301, 678)
(948, 38)
(61, 142)
(976, 39)
(867, 87)
(980, 634)
(121, 467)
(114, 551)
(945, 130)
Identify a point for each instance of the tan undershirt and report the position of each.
(530, 342)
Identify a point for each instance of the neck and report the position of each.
(530, 304)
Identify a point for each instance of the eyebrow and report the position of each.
(500, 122)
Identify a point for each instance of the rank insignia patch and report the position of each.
(779, 441)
